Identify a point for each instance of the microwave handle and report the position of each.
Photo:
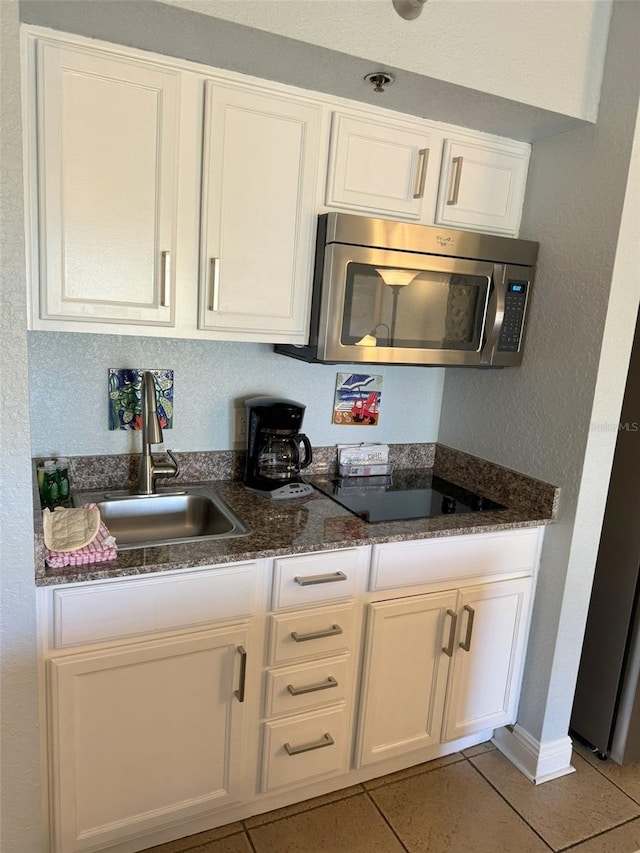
(495, 313)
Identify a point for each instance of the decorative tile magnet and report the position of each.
(125, 395)
(357, 400)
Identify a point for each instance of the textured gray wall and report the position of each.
(188, 35)
(20, 814)
(537, 418)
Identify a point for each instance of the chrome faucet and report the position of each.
(152, 434)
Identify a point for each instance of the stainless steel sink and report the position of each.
(188, 514)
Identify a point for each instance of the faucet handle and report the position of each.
(175, 462)
(164, 470)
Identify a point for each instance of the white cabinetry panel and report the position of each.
(258, 216)
(96, 613)
(482, 185)
(108, 135)
(488, 660)
(313, 578)
(305, 747)
(383, 166)
(312, 633)
(405, 675)
(144, 735)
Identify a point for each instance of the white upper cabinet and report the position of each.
(385, 167)
(168, 198)
(108, 171)
(482, 185)
(258, 213)
(408, 170)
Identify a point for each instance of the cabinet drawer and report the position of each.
(298, 688)
(402, 564)
(304, 748)
(311, 633)
(107, 611)
(312, 578)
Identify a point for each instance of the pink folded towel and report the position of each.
(102, 548)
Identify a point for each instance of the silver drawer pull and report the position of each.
(456, 174)
(214, 283)
(467, 640)
(165, 278)
(239, 693)
(325, 740)
(421, 175)
(313, 688)
(333, 631)
(448, 649)
(309, 580)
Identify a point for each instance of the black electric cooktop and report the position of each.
(402, 496)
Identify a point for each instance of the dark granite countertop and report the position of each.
(317, 523)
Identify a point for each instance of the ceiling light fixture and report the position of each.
(408, 9)
(379, 79)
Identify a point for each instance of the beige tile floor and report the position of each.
(471, 802)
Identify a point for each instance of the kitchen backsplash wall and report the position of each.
(68, 393)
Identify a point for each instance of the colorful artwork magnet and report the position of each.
(357, 399)
(125, 394)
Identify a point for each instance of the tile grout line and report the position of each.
(607, 778)
(594, 837)
(575, 843)
(386, 820)
(302, 811)
(247, 835)
(512, 807)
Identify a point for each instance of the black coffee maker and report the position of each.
(276, 450)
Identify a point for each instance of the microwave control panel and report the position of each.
(515, 303)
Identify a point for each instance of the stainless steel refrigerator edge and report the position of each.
(606, 709)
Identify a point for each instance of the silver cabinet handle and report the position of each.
(333, 631)
(456, 174)
(214, 283)
(312, 688)
(325, 740)
(421, 173)
(165, 276)
(239, 693)
(467, 640)
(310, 580)
(448, 649)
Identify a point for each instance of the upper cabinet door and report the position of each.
(482, 186)
(258, 214)
(384, 167)
(107, 164)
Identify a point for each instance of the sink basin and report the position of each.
(190, 514)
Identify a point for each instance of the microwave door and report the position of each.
(494, 316)
(508, 303)
(382, 306)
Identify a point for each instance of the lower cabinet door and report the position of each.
(144, 735)
(406, 666)
(487, 665)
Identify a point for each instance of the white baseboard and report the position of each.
(539, 762)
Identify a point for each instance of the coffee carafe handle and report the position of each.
(308, 453)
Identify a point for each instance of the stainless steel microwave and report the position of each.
(395, 293)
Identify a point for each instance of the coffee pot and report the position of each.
(279, 457)
(276, 449)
